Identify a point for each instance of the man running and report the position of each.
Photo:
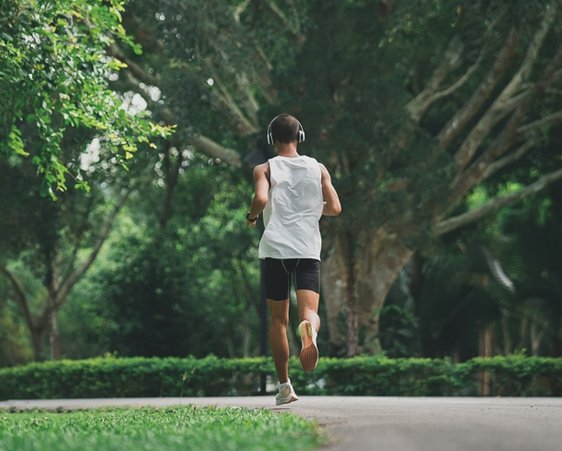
(293, 191)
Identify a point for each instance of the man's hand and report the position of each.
(251, 220)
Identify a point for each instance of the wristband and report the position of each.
(251, 220)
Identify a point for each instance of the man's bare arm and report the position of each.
(261, 191)
(332, 205)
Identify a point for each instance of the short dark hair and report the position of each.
(285, 128)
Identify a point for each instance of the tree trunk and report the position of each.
(54, 337)
(380, 264)
(35, 326)
(351, 296)
(355, 280)
(485, 351)
(36, 334)
(333, 281)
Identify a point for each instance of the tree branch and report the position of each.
(472, 216)
(425, 99)
(279, 13)
(131, 83)
(239, 10)
(461, 81)
(171, 173)
(215, 150)
(507, 160)
(243, 125)
(505, 100)
(80, 234)
(201, 143)
(524, 72)
(545, 121)
(457, 123)
(251, 104)
(20, 295)
(68, 283)
(115, 51)
(498, 111)
(508, 136)
(419, 104)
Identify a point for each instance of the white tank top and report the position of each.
(293, 209)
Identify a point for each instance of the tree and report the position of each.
(51, 244)
(54, 74)
(409, 145)
(493, 286)
(411, 107)
(189, 287)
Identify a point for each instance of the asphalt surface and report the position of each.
(391, 423)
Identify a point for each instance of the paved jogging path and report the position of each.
(390, 423)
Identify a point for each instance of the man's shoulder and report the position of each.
(261, 169)
(311, 160)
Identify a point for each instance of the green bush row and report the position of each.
(212, 376)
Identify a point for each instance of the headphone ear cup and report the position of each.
(302, 136)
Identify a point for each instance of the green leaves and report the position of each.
(16, 143)
(514, 375)
(54, 72)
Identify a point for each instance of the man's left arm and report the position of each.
(332, 205)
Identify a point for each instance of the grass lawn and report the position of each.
(176, 428)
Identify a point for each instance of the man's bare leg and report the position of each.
(307, 304)
(279, 312)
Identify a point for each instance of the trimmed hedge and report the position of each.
(212, 376)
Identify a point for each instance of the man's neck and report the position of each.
(286, 149)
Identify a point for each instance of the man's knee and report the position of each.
(279, 322)
(279, 313)
(308, 299)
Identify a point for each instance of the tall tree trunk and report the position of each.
(380, 264)
(351, 295)
(36, 334)
(334, 286)
(54, 337)
(485, 345)
(35, 326)
(356, 280)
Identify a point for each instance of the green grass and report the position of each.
(176, 428)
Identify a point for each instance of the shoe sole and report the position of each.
(309, 351)
(293, 398)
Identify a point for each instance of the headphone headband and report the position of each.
(301, 136)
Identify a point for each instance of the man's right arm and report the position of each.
(261, 190)
(332, 205)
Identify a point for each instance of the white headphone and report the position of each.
(300, 134)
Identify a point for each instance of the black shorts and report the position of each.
(278, 275)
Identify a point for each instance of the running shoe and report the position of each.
(286, 394)
(309, 350)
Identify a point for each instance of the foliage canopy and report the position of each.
(54, 73)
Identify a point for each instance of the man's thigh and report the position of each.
(307, 275)
(277, 280)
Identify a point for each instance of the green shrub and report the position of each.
(212, 376)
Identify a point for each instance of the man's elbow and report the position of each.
(260, 201)
(332, 209)
(336, 210)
